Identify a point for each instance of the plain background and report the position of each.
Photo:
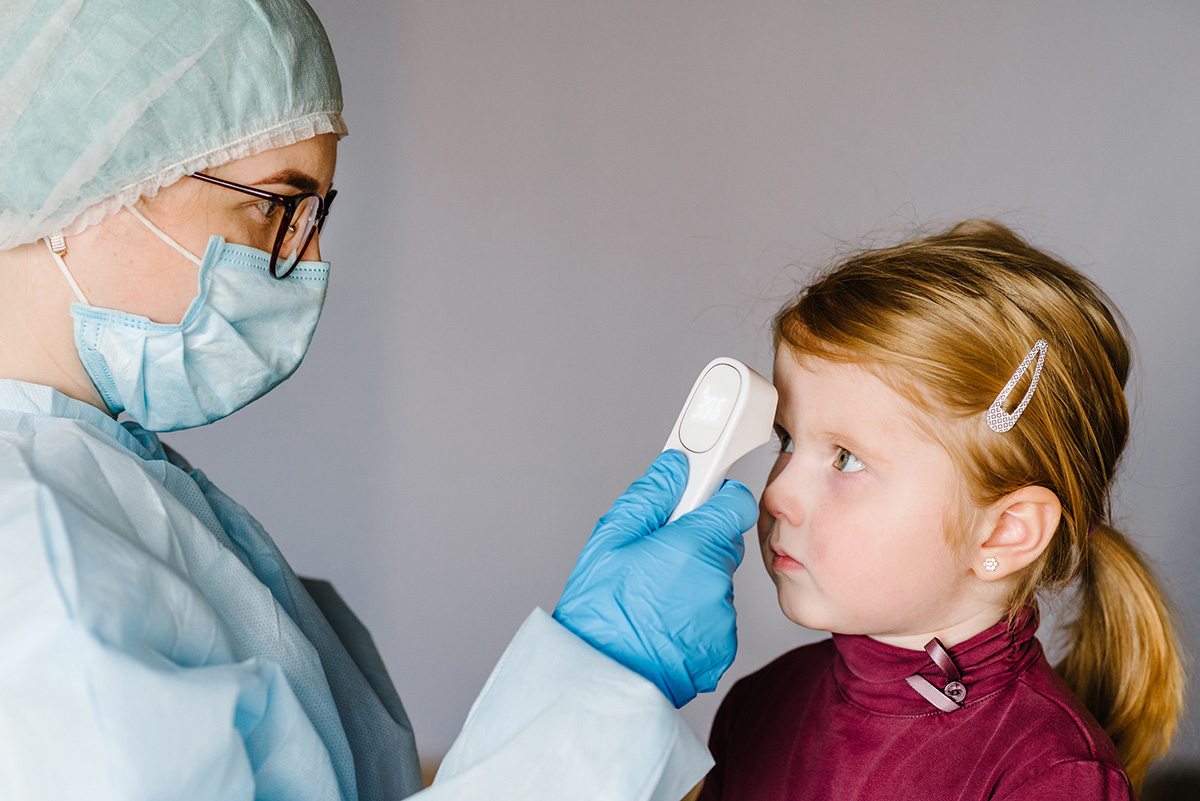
(553, 214)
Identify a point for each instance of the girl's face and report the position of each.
(854, 515)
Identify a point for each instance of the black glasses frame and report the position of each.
(289, 203)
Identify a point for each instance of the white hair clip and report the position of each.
(998, 419)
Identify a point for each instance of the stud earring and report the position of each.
(990, 564)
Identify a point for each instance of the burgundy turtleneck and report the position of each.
(840, 720)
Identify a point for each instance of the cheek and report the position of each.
(836, 547)
(227, 214)
(241, 228)
(123, 266)
(848, 533)
(924, 527)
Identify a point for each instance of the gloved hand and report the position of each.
(659, 598)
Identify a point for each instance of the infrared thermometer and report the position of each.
(730, 412)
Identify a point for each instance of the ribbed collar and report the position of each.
(872, 675)
(35, 399)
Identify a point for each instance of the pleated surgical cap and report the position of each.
(105, 101)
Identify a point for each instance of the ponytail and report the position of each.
(1124, 660)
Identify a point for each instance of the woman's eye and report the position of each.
(847, 462)
(268, 208)
(785, 440)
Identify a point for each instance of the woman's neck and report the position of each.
(36, 326)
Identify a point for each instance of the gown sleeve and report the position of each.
(557, 719)
(144, 656)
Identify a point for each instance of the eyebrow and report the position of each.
(294, 178)
(856, 447)
(851, 444)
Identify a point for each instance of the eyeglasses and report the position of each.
(302, 216)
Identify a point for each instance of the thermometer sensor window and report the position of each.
(708, 412)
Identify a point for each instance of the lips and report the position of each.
(782, 561)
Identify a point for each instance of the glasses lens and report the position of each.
(299, 231)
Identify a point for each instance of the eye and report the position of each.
(847, 462)
(785, 440)
(268, 208)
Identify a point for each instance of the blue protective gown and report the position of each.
(155, 644)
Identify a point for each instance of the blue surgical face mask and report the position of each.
(242, 335)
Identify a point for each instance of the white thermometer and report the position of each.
(730, 412)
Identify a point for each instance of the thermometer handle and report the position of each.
(729, 412)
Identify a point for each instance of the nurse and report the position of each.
(165, 170)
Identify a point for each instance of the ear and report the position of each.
(1024, 523)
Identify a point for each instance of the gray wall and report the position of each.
(553, 214)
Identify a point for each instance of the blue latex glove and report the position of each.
(659, 598)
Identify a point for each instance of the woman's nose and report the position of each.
(313, 251)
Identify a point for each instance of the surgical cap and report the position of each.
(106, 101)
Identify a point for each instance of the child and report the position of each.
(951, 412)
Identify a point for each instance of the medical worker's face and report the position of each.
(852, 524)
(120, 264)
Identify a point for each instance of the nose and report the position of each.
(780, 498)
(312, 252)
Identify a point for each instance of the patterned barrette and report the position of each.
(998, 419)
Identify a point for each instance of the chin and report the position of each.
(801, 614)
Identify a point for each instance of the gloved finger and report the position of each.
(712, 639)
(713, 531)
(646, 505)
(706, 680)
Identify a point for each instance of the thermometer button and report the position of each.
(710, 407)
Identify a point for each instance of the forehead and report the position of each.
(847, 399)
(315, 157)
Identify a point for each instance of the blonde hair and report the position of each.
(947, 319)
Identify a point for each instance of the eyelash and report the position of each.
(263, 205)
(785, 440)
(843, 459)
(841, 462)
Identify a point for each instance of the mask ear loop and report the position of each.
(57, 246)
(56, 243)
(154, 229)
